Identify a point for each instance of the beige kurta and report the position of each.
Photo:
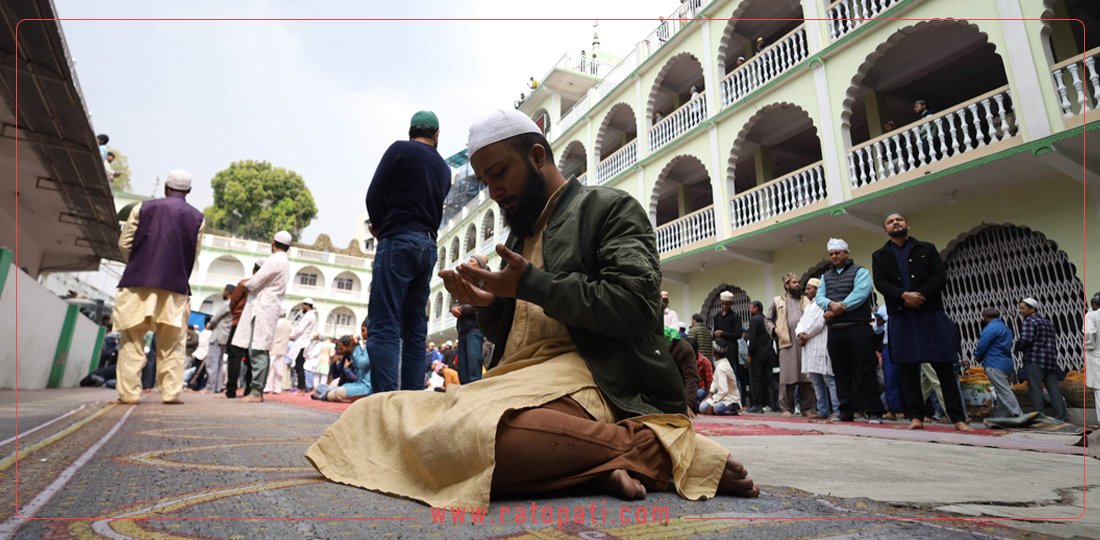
(439, 448)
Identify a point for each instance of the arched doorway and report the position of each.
(933, 91)
(676, 101)
(616, 142)
(574, 160)
(712, 304)
(762, 40)
(778, 148)
(340, 322)
(488, 226)
(999, 265)
(682, 204)
(226, 268)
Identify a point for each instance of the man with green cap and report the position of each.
(405, 204)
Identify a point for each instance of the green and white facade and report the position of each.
(749, 178)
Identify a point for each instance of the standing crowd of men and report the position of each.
(587, 357)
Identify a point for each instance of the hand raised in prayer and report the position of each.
(465, 292)
(504, 283)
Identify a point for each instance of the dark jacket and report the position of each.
(602, 279)
(760, 340)
(684, 356)
(926, 271)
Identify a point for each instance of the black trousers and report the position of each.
(914, 399)
(300, 370)
(761, 384)
(856, 369)
(236, 356)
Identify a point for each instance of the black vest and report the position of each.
(837, 288)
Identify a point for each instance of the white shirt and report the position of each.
(815, 353)
(302, 332)
(671, 319)
(266, 291)
(204, 344)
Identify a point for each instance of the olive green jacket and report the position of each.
(602, 279)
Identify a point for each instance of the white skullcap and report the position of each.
(726, 296)
(1033, 303)
(837, 244)
(179, 180)
(283, 238)
(498, 125)
(261, 262)
(308, 301)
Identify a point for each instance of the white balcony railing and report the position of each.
(358, 262)
(787, 52)
(687, 230)
(583, 179)
(617, 162)
(847, 15)
(796, 190)
(310, 254)
(984, 120)
(672, 24)
(1070, 79)
(680, 121)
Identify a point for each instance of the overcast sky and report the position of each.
(322, 98)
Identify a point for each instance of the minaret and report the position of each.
(595, 37)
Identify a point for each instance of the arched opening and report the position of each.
(542, 120)
(471, 237)
(676, 103)
(712, 304)
(211, 303)
(816, 271)
(758, 45)
(1065, 42)
(455, 250)
(309, 278)
(932, 91)
(999, 265)
(226, 268)
(442, 258)
(488, 225)
(616, 142)
(573, 160)
(437, 305)
(778, 146)
(682, 204)
(340, 322)
(346, 283)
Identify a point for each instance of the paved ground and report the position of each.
(215, 468)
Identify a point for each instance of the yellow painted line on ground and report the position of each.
(10, 460)
(154, 458)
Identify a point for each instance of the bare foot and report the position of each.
(252, 398)
(735, 480)
(620, 484)
(963, 426)
(916, 424)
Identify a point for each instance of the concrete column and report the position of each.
(718, 187)
(873, 105)
(1023, 79)
(811, 9)
(833, 143)
(710, 82)
(762, 159)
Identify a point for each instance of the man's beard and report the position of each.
(795, 293)
(900, 233)
(530, 205)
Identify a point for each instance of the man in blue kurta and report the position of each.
(161, 240)
(911, 276)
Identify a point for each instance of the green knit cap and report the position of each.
(425, 118)
(671, 334)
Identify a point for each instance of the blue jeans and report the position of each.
(469, 356)
(398, 322)
(825, 391)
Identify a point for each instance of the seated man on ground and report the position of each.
(354, 354)
(581, 393)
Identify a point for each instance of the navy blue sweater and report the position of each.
(407, 192)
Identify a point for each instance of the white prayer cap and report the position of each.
(308, 301)
(1033, 303)
(498, 125)
(179, 180)
(836, 244)
(726, 296)
(260, 263)
(283, 238)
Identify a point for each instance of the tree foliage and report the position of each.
(254, 200)
(121, 165)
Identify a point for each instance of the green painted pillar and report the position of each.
(64, 343)
(7, 258)
(97, 350)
